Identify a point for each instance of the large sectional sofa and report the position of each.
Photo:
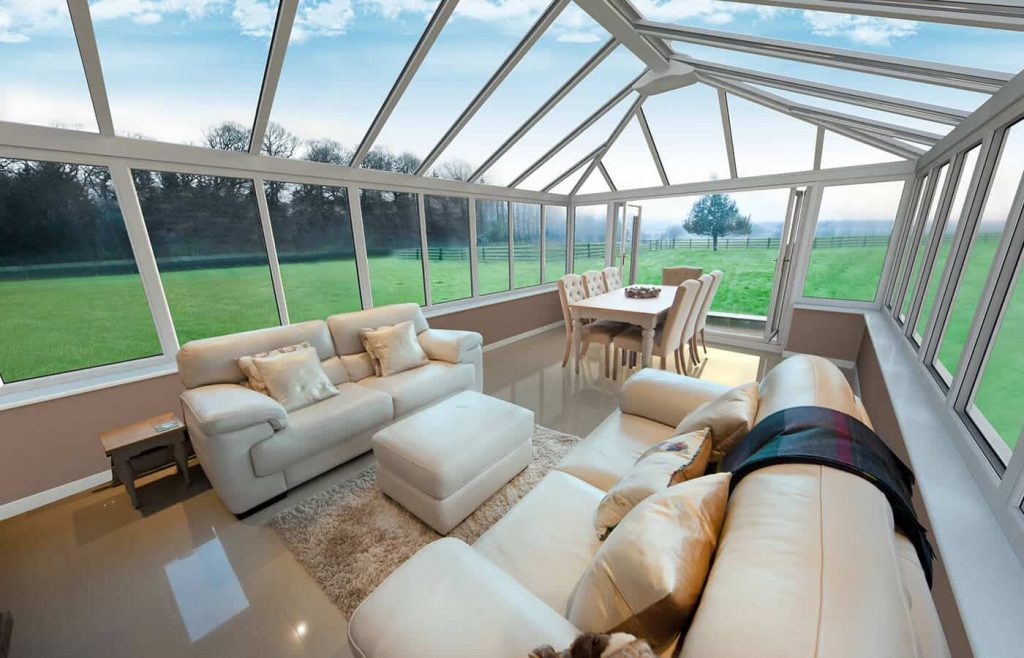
(808, 563)
(252, 450)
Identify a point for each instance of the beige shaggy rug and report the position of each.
(351, 537)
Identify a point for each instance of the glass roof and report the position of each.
(687, 127)
(629, 161)
(769, 142)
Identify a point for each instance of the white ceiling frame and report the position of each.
(572, 169)
(730, 145)
(619, 127)
(808, 115)
(433, 30)
(272, 74)
(973, 14)
(548, 105)
(819, 147)
(530, 39)
(926, 111)
(607, 177)
(577, 131)
(618, 17)
(651, 145)
(905, 133)
(904, 68)
(81, 21)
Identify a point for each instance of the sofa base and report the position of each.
(241, 516)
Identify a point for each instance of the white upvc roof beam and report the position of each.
(881, 127)
(433, 30)
(730, 146)
(518, 53)
(623, 122)
(999, 16)
(570, 84)
(81, 21)
(618, 18)
(572, 169)
(926, 111)
(275, 62)
(607, 177)
(947, 75)
(651, 145)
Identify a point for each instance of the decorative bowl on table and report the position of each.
(642, 292)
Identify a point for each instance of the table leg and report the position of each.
(647, 346)
(577, 340)
(127, 478)
(181, 459)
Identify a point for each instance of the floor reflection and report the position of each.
(206, 589)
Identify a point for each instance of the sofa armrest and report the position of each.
(449, 345)
(222, 408)
(666, 397)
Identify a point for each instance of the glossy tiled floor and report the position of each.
(91, 576)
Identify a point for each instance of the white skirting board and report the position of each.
(30, 503)
(523, 336)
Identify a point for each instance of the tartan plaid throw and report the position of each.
(814, 435)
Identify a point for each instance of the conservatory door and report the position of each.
(625, 242)
(795, 218)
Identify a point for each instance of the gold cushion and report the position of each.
(729, 417)
(394, 349)
(252, 374)
(295, 379)
(647, 577)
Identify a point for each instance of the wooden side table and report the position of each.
(126, 443)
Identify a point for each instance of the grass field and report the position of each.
(108, 320)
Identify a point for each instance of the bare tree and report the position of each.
(228, 136)
(278, 142)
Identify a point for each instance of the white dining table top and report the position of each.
(616, 301)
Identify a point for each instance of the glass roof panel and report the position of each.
(687, 127)
(841, 151)
(604, 82)
(329, 89)
(594, 184)
(47, 86)
(210, 60)
(566, 186)
(471, 47)
(559, 53)
(769, 142)
(629, 161)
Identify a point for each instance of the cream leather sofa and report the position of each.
(808, 564)
(253, 450)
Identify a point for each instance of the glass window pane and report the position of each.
(922, 244)
(491, 246)
(210, 59)
(391, 224)
(65, 261)
(692, 146)
(208, 242)
(841, 151)
(629, 161)
(42, 77)
(946, 241)
(983, 248)
(851, 240)
(448, 247)
(526, 234)
(769, 142)
(589, 233)
(905, 255)
(554, 242)
(313, 235)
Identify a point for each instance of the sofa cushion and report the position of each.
(418, 387)
(295, 379)
(694, 448)
(805, 380)
(730, 417)
(449, 344)
(215, 360)
(448, 600)
(358, 366)
(345, 327)
(612, 449)
(666, 397)
(393, 349)
(547, 540)
(318, 427)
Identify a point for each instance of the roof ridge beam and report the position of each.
(973, 14)
(916, 109)
(946, 75)
(548, 105)
(572, 169)
(618, 18)
(437, 22)
(531, 37)
(619, 127)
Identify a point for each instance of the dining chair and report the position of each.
(594, 283)
(673, 276)
(705, 308)
(571, 289)
(612, 278)
(688, 339)
(666, 337)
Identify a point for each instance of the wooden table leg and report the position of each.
(577, 340)
(127, 478)
(647, 347)
(181, 459)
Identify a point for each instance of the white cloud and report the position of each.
(578, 36)
(866, 30)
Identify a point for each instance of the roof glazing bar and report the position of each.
(81, 22)
(573, 169)
(651, 145)
(623, 122)
(272, 74)
(999, 16)
(607, 177)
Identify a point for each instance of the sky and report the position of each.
(173, 68)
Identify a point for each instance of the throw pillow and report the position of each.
(295, 379)
(359, 366)
(646, 579)
(729, 417)
(253, 375)
(394, 349)
(664, 465)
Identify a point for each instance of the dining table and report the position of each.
(615, 306)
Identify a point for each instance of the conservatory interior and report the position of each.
(363, 327)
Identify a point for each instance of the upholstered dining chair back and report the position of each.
(678, 316)
(571, 289)
(674, 276)
(690, 328)
(705, 307)
(612, 278)
(594, 283)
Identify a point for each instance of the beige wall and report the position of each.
(52, 443)
(827, 333)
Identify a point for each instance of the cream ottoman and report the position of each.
(443, 462)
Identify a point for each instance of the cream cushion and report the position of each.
(647, 577)
(252, 373)
(694, 448)
(729, 417)
(295, 379)
(359, 366)
(612, 448)
(394, 349)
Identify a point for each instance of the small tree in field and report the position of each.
(716, 215)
